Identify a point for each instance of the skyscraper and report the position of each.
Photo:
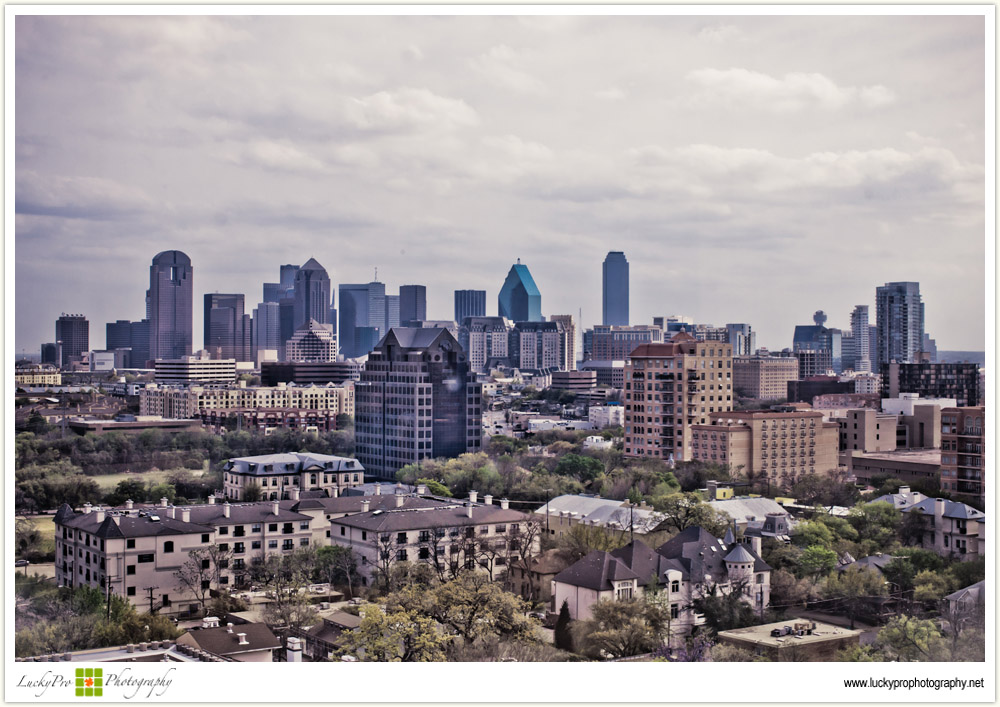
(227, 329)
(73, 333)
(169, 302)
(615, 289)
(519, 299)
(743, 338)
(899, 316)
(312, 293)
(570, 327)
(412, 303)
(118, 335)
(312, 342)
(267, 327)
(469, 303)
(862, 345)
(365, 316)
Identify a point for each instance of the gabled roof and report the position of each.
(221, 642)
(742, 509)
(872, 562)
(973, 594)
(952, 509)
(596, 570)
(643, 561)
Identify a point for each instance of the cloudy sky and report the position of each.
(753, 169)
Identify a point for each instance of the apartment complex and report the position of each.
(963, 452)
(934, 380)
(779, 446)
(764, 377)
(537, 345)
(569, 326)
(195, 369)
(275, 475)
(670, 388)
(615, 343)
(868, 430)
(37, 374)
(417, 399)
(485, 340)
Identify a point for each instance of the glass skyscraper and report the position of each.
(615, 289)
(520, 300)
(469, 303)
(899, 317)
(169, 301)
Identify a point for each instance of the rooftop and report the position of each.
(437, 516)
(913, 456)
(761, 635)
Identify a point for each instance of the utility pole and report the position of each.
(150, 590)
(631, 522)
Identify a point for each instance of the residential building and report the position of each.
(412, 303)
(519, 299)
(574, 381)
(73, 335)
(449, 537)
(793, 640)
(868, 430)
(743, 339)
(963, 452)
(417, 399)
(37, 374)
(195, 369)
(276, 475)
(951, 529)
(861, 355)
(569, 326)
(614, 289)
(313, 297)
(322, 641)
(825, 342)
(919, 467)
(607, 415)
(669, 388)
(779, 446)
(533, 580)
(805, 390)
(537, 345)
(312, 342)
(934, 380)
(813, 363)
(304, 373)
(228, 331)
(469, 303)
(563, 513)
(169, 302)
(486, 342)
(609, 373)
(691, 565)
(243, 643)
(899, 318)
(764, 377)
(616, 343)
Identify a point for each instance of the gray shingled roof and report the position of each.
(743, 508)
(952, 509)
(258, 512)
(303, 461)
(739, 553)
(133, 526)
(974, 593)
(596, 570)
(221, 642)
(353, 504)
(451, 515)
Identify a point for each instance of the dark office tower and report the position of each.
(873, 346)
(416, 400)
(227, 335)
(286, 324)
(50, 354)
(273, 291)
(288, 273)
(469, 303)
(391, 312)
(826, 343)
(899, 316)
(353, 314)
(169, 302)
(616, 289)
(267, 327)
(366, 314)
(118, 335)
(929, 347)
(412, 303)
(520, 300)
(140, 344)
(312, 294)
(862, 346)
(73, 332)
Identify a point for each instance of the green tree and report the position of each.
(788, 592)
(931, 586)
(395, 636)
(619, 629)
(877, 525)
(129, 489)
(908, 639)
(563, 634)
(813, 533)
(585, 469)
(900, 572)
(684, 510)
(725, 611)
(817, 561)
(856, 587)
(725, 653)
(436, 488)
(252, 492)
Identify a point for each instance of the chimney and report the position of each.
(275, 509)
(293, 654)
(399, 500)
(642, 504)
(504, 503)
(163, 502)
(129, 504)
(229, 627)
(100, 514)
(186, 515)
(365, 505)
(225, 509)
(756, 544)
(243, 639)
(172, 511)
(421, 489)
(211, 500)
(488, 500)
(473, 495)
(87, 508)
(938, 509)
(117, 520)
(294, 493)
(712, 487)
(904, 490)
(378, 489)
(468, 510)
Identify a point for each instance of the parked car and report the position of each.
(21, 563)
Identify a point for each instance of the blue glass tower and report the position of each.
(615, 289)
(520, 300)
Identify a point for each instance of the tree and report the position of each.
(907, 639)
(395, 636)
(619, 629)
(684, 510)
(585, 469)
(282, 577)
(877, 525)
(337, 564)
(817, 560)
(27, 538)
(252, 492)
(196, 575)
(931, 586)
(789, 592)
(563, 635)
(813, 533)
(725, 653)
(726, 610)
(856, 587)
(436, 488)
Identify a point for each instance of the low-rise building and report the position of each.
(195, 369)
(950, 529)
(608, 415)
(276, 475)
(764, 377)
(794, 640)
(574, 381)
(243, 643)
(42, 374)
(609, 373)
(868, 430)
(913, 466)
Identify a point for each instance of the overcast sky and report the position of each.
(752, 169)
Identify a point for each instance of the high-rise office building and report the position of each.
(118, 335)
(519, 299)
(140, 344)
(273, 292)
(267, 327)
(469, 303)
(169, 302)
(50, 354)
(569, 325)
(73, 334)
(486, 342)
(287, 276)
(416, 400)
(366, 314)
(826, 342)
(227, 329)
(391, 312)
(615, 343)
(286, 323)
(312, 294)
(538, 345)
(615, 289)
(743, 338)
(862, 346)
(929, 347)
(312, 342)
(412, 303)
(899, 316)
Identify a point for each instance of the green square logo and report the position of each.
(90, 672)
(89, 682)
(79, 692)
(79, 682)
(98, 692)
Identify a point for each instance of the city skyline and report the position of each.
(470, 143)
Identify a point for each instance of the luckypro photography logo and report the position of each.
(89, 682)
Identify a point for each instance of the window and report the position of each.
(224, 546)
(272, 527)
(205, 564)
(255, 528)
(239, 548)
(255, 544)
(674, 611)
(304, 525)
(287, 528)
(272, 544)
(675, 586)
(145, 558)
(288, 544)
(364, 534)
(400, 538)
(168, 546)
(130, 569)
(205, 538)
(424, 553)
(130, 591)
(224, 530)
(343, 530)
(130, 543)
(238, 531)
